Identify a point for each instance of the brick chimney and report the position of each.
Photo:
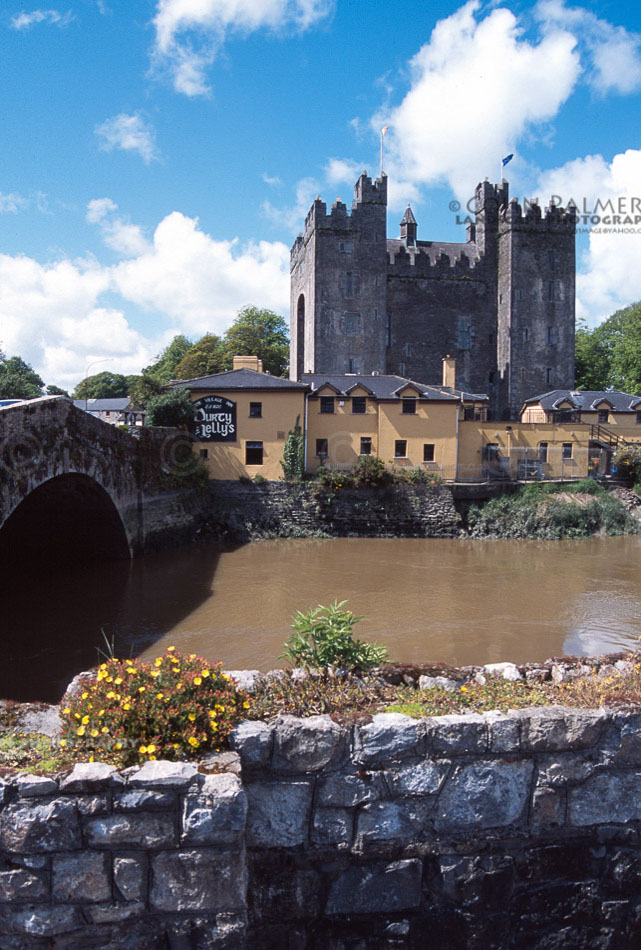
(449, 372)
(248, 362)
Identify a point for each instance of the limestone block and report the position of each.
(42, 921)
(487, 794)
(306, 745)
(504, 732)
(485, 879)
(453, 735)
(390, 824)
(253, 742)
(91, 776)
(548, 808)
(553, 728)
(114, 913)
(23, 885)
(389, 737)
(92, 804)
(623, 744)
(245, 679)
(35, 785)
(278, 813)
(163, 773)
(425, 778)
(5, 788)
(332, 826)
(198, 880)
(606, 799)
(81, 877)
(216, 813)
(142, 800)
(137, 831)
(508, 671)
(560, 770)
(344, 790)
(130, 876)
(54, 826)
(438, 682)
(377, 888)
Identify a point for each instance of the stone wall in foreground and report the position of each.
(477, 831)
(245, 511)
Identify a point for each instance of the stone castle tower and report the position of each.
(502, 303)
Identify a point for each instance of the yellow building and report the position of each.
(405, 423)
(242, 419)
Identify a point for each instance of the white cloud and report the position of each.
(612, 54)
(24, 21)
(273, 180)
(476, 88)
(128, 133)
(293, 216)
(608, 273)
(61, 316)
(340, 171)
(118, 232)
(189, 33)
(12, 203)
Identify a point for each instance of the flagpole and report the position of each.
(383, 131)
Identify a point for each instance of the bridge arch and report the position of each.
(67, 517)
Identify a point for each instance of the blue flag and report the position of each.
(508, 158)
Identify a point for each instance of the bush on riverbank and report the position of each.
(546, 512)
(177, 707)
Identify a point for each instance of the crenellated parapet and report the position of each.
(555, 218)
(433, 260)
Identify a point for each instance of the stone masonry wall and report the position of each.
(244, 511)
(477, 831)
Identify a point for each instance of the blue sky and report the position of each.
(158, 156)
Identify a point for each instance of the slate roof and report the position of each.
(386, 387)
(587, 400)
(408, 217)
(238, 379)
(103, 405)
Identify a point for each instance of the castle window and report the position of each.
(388, 331)
(551, 292)
(345, 246)
(551, 336)
(255, 410)
(327, 404)
(400, 449)
(490, 377)
(350, 322)
(543, 453)
(526, 334)
(349, 284)
(409, 405)
(359, 405)
(321, 448)
(428, 452)
(548, 375)
(366, 446)
(464, 333)
(567, 450)
(603, 415)
(253, 453)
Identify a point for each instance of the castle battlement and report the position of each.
(555, 217)
(433, 260)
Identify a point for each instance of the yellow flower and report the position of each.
(151, 748)
(126, 705)
(197, 680)
(80, 731)
(464, 689)
(77, 715)
(141, 689)
(93, 733)
(132, 669)
(91, 758)
(171, 650)
(101, 712)
(118, 680)
(105, 730)
(192, 656)
(111, 694)
(245, 705)
(204, 673)
(85, 695)
(101, 676)
(66, 710)
(193, 742)
(103, 666)
(158, 661)
(179, 685)
(143, 749)
(85, 720)
(191, 717)
(212, 713)
(63, 743)
(153, 757)
(158, 695)
(110, 679)
(118, 745)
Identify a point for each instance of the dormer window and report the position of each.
(409, 405)
(327, 404)
(603, 415)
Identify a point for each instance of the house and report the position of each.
(114, 411)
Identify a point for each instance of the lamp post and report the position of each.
(106, 359)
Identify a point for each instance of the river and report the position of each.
(426, 599)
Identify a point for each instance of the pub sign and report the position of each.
(214, 419)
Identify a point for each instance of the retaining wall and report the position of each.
(474, 831)
(245, 511)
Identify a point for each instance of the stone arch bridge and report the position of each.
(71, 484)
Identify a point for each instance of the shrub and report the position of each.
(418, 476)
(628, 462)
(174, 708)
(173, 408)
(293, 461)
(259, 480)
(324, 638)
(370, 472)
(329, 478)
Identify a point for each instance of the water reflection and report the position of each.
(455, 601)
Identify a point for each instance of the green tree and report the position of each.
(609, 356)
(202, 359)
(260, 333)
(142, 389)
(164, 368)
(293, 461)
(172, 408)
(18, 380)
(591, 358)
(103, 385)
(52, 390)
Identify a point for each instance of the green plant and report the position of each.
(324, 637)
(628, 462)
(174, 708)
(334, 480)
(418, 476)
(173, 408)
(293, 460)
(370, 472)
(259, 480)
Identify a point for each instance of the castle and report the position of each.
(502, 303)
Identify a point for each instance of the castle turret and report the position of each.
(408, 227)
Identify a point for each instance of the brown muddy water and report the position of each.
(426, 599)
